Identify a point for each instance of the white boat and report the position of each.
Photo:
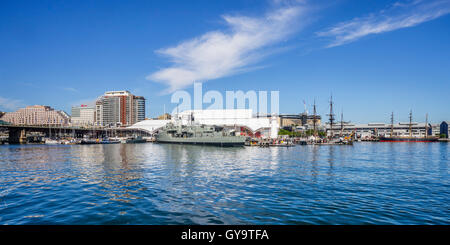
(133, 139)
(51, 142)
(70, 142)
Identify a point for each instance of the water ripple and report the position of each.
(368, 183)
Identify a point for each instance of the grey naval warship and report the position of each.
(199, 134)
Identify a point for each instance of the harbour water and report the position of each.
(367, 183)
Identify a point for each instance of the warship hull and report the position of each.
(222, 144)
(223, 141)
(407, 139)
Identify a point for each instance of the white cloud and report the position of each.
(399, 15)
(10, 104)
(218, 53)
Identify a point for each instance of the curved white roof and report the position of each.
(150, 125)
(236, 117)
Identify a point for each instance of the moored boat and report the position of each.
(133, 140)
(51, 142)
(89, 141)
(99, 141)
(199, 134)
(409, 138)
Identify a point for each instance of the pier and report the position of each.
(18, 134)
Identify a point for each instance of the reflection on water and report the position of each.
(368, 183)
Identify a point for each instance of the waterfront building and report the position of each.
(444, 128)
(139, 108)
(240, 119)
(371, 130)
(83, 115)
(165, 116)
(435, 129)
(37, 115)
(293, 120)
(99, 112)
(2, 113)
(119, 108)
(289, 121)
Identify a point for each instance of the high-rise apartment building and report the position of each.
(37, 115)
(119, 108)
(140, 108)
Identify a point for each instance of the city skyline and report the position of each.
(374, 58)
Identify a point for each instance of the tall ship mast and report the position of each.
(331, 117)
(314, 119)
(332, 121)
(342, 122)
(392, 124)
(410, 123)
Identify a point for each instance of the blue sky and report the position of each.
(375, 57)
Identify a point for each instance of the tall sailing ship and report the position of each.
(409, 138)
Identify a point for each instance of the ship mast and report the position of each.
(392, 124)
(331, 116)
(426, 125)
(50, 129)
(410, 123)
(314, 119)
(342, 123)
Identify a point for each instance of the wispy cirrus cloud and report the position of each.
(220, 53)
(70, 89)
(10, 104)
(398, 15)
